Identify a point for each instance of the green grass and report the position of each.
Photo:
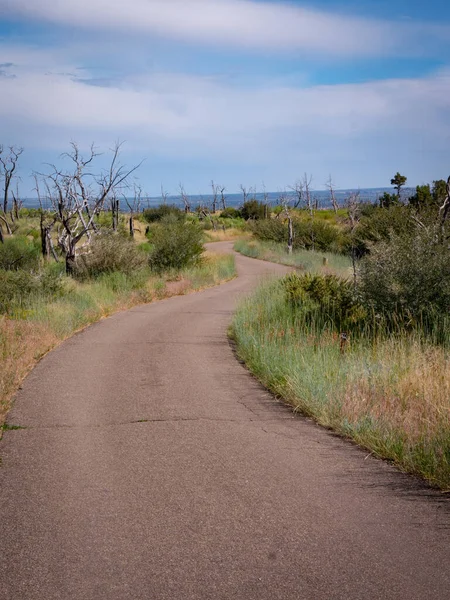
(390, 395)
(306, 260)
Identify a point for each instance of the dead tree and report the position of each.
(185, 199)
(164, 195)
(77, 196)
(47, 222)
(245, 193)
(223, 197)
(353, 204)
(8, 166)
(134, 207)
(285, 202)
(115, 210)
(445, 208)
(215, 195)
(330, 188)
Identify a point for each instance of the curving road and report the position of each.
(153, 466)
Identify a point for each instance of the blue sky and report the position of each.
(239, 91)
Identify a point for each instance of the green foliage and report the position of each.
(327, 299)
(407, 279)
(253, 209)
(274, 230)
(309, 235)
(230, 213)
(388, 200)
(157, 213)
(317, 235)
(22, 289)
(427, 197)
(398, 181)
(378, 224)
(18, 253)
(176, 245)
(110, 252)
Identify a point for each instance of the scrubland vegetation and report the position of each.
(363, 351)
(357, 336)
(80, 259)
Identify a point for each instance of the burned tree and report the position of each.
(134, 206)
(185, 199)
(77, 196)
(330, 187)
(8, 166)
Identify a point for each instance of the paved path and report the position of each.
(154, 467)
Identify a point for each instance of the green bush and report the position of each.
(230, 213)
(274, 230)
(107, 253)
(21, 289)
(157, 213)
(176, 245)
(325, 299)
(316, 235)
(18, 253)
(252, 209)
(407, 278)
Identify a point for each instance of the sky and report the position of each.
(245, 92)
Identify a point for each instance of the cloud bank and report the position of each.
(268, 26)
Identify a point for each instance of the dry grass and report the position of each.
(390, 394)
(229, 235)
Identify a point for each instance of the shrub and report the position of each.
(110, 252)
(22, 288)
(274, 230)
(230, 213)
(325, 299)
(408, 278)
(316, 235)
(252, 209)
(18, 253)
(176, 245)
(157, 213)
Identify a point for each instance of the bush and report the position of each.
(18, 253)
(274, 230)
(252, 209)
(378, 224)
(157, 213)
(408, 278)
(176, 245)
(325, 299)
(107, 253)
(230, 213)
(22, 288)
(316, 235)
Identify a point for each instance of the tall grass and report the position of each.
(306, 260)
(390, 395)
(31, 331)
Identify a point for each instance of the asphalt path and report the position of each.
(153, 466)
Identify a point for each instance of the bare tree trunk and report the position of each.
(2, 239)
(8, 228)
(222, 198)
(330, 186)
(445, 208)
(290, 235)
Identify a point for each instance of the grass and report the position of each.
(229, 235)
(28, 334)
(306, 260)
(390, 395)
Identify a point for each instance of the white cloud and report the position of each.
(270, 26)
(208, 115)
